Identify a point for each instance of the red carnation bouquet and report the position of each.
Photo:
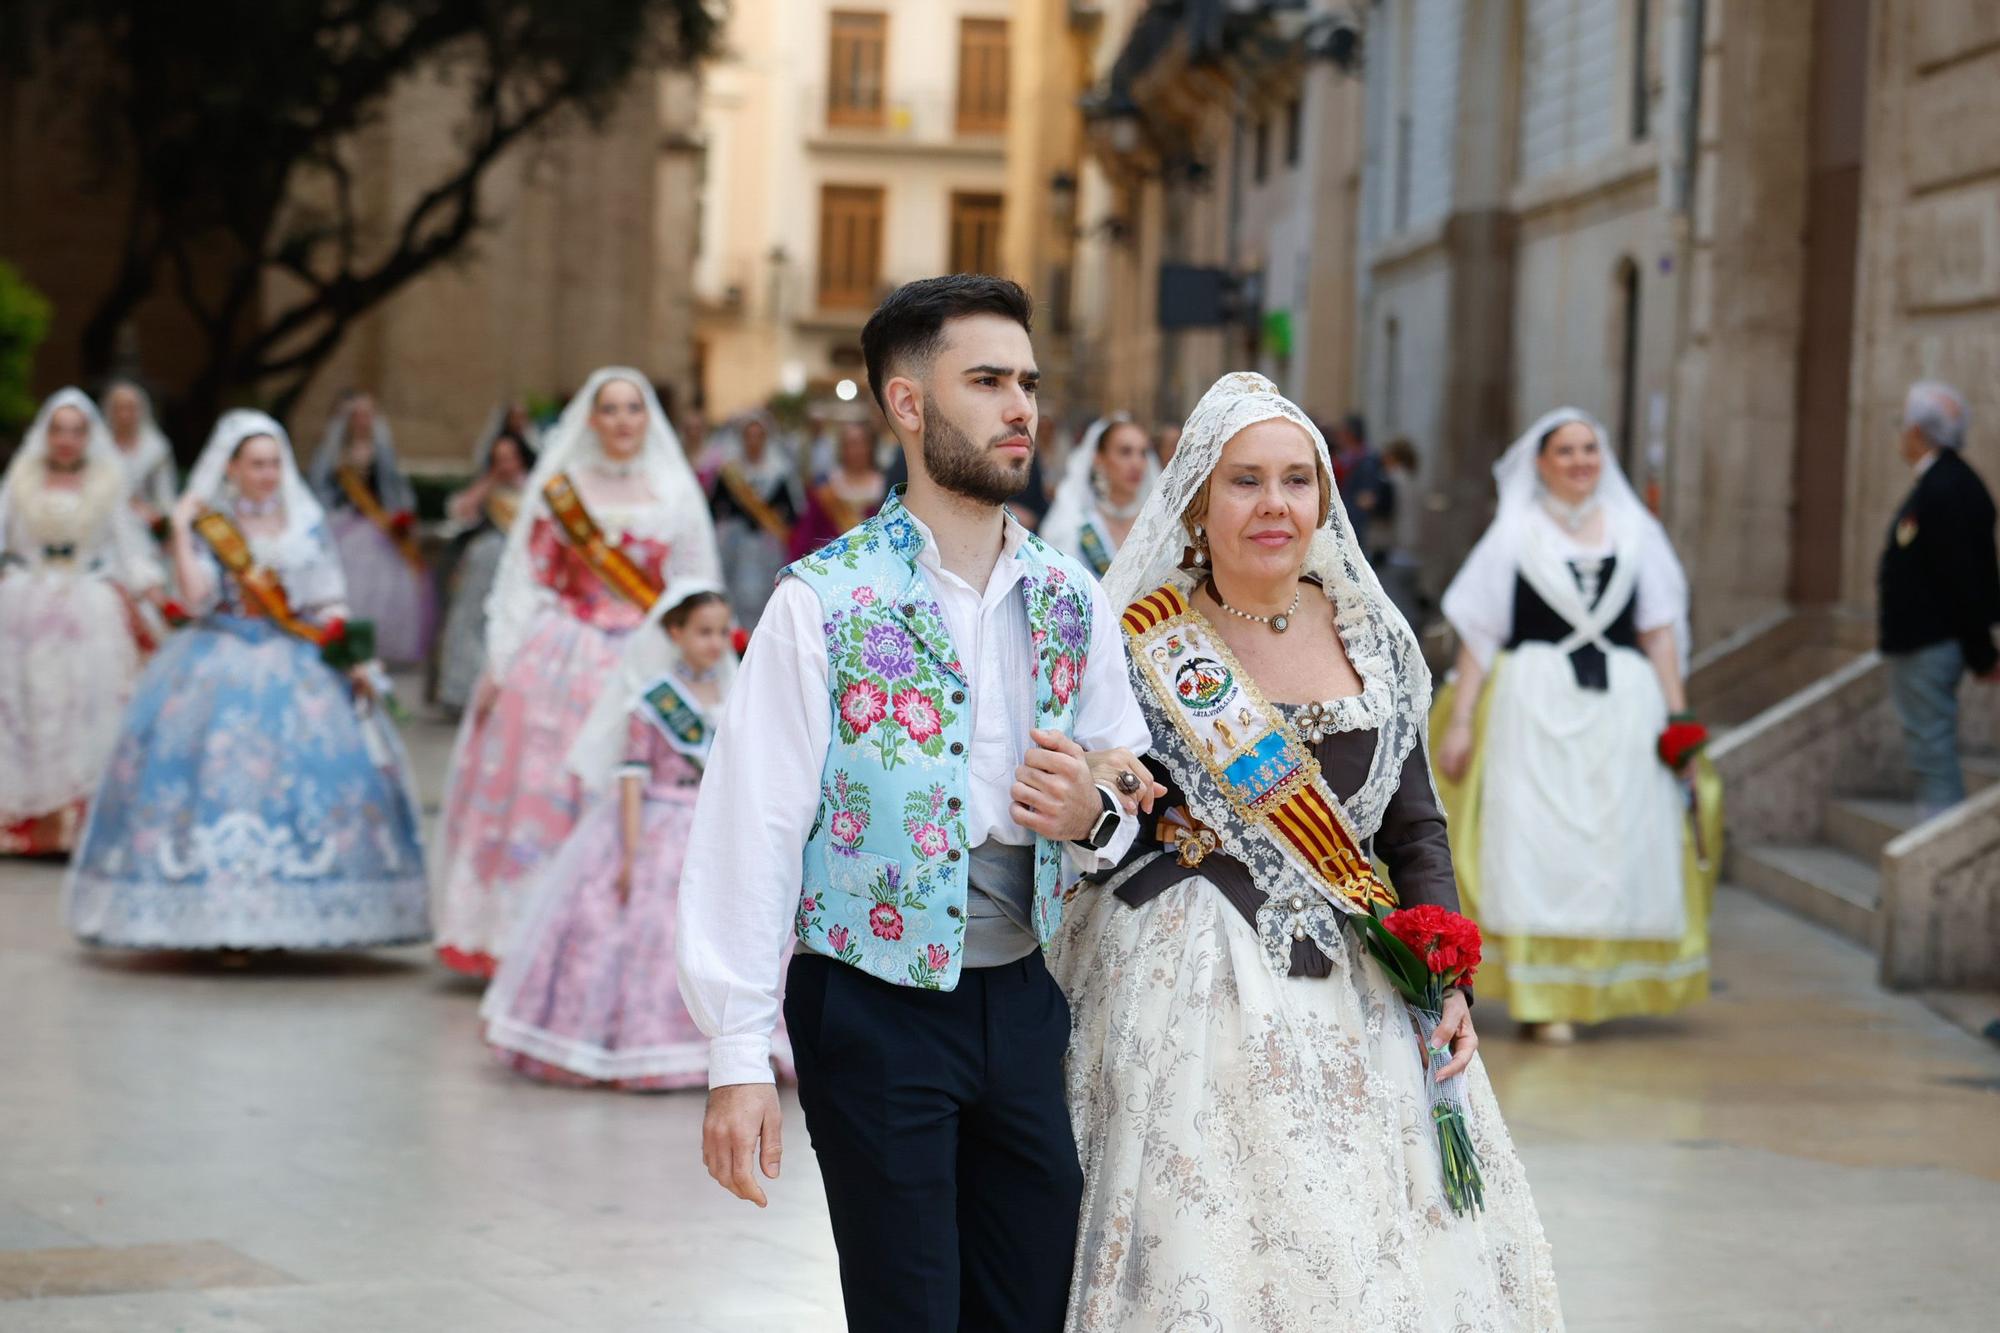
(175, 614)
(1426, 951)
(1683, 739)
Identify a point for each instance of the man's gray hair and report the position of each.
(1938, 412)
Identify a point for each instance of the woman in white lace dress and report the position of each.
(1246, 1086)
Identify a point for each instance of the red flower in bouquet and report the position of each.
(333, 631)
(174, 613)
(401, 522)
(1682, 740)
(740, 640)
(1446, 943)
(1424, 951)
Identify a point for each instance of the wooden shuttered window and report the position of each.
(982, 76)
(975, 233)
(850, 246)
(857, 58)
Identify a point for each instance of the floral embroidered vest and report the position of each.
(886, 862)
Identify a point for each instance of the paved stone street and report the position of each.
(311, 1144)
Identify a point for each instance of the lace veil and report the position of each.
(568, 446)
(210, 476)
(1076, 494)
(392, 488)
(1488, 574)
(1380, 643)
(99, 451)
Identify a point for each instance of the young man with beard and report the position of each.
(899, 791)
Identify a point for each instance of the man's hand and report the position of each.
(1053, 793)
(1106, 766)
(740, 1117)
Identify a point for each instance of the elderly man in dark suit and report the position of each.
(1939, 590)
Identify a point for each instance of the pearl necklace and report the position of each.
(1279, 623)
(264, 508)
(617, 469)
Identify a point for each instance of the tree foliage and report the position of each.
(231, 128)
(24, 320)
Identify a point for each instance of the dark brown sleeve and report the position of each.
(1412, 841)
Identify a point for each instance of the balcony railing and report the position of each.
(929, 118)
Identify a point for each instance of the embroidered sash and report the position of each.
(263, 594)
(355, 487)
(617, 569)
(755, 505)
(678, 719)
(1095, 553)
(840, 515)
(1265, 772)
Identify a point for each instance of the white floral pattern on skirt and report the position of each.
(1257, 1150)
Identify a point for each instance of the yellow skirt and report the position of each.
(1546, 979)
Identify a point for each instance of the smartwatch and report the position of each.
(1106, 827)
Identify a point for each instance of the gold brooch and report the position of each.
(1191, 839)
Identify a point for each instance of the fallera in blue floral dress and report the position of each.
(249, 803)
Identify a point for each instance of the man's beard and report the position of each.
(964, 468)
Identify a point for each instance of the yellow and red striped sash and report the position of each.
(355, 487)
(608, 562)
(263, 594)
(756, 506)
(1266, 773)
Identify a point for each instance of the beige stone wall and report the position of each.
(1929, 290)
(1730, 476)
(586, 262)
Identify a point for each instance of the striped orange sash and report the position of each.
(263, 594)
(1266, 773)
(355, 487)
(608, 562)
(753, 504)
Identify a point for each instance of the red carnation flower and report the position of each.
(740, 640)
(937, 956)
(1447, 943)
(1681, 741)
(333, 631)
(402, 521)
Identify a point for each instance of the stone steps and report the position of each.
(1837, 882)
(1824, 884)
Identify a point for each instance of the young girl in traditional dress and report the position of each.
(588, 992)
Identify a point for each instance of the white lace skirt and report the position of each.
(1257, 1150)
(67, 666)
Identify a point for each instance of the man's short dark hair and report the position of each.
(908, 327)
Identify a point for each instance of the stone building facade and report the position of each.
(1221, 138)
(852, 146)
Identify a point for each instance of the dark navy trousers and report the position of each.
(943, 1135)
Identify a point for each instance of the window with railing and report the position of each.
(850, 246)
(982, 76)
(975, 233)
(857, 56)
